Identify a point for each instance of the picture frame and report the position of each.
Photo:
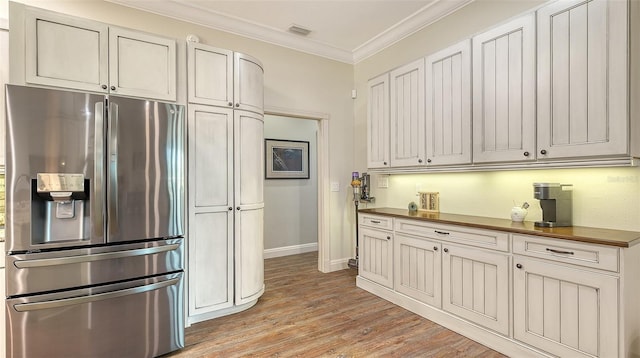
(286, 159)
(429, 202)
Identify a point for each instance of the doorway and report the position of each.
(322, 170)
(291, 204)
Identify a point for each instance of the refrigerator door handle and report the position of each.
(95, 257)
(113, 169)
(24, 307)
(97, 214)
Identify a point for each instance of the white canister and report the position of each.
(518, 214)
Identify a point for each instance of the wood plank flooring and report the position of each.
(305, 313)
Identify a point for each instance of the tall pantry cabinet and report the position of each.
(226, 171)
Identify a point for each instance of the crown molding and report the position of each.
(200, 15)
(407, 27)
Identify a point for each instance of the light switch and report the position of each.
(335, 186)
(383, 181)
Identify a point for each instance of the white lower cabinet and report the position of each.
(376, 256)
(564, 310)
(417, 269)
(475, 286)
(522, 295)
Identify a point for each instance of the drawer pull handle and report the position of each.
(375, 222)
(560, 252)
(441, 232)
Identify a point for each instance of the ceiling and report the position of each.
(343, 30)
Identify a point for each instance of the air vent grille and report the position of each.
(299, 30)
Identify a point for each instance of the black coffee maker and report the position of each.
(556, 203)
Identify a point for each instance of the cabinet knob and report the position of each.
(526, 154)
(419, 160)
(385, 163)
(237, 208)
(388, 237)
(230, 104)
(230, 208)
(446, 250)
(104, 86)
(237, 104)
(428, 160)
(435, 248)
(519, 266)
(543, 152)
(113, 88)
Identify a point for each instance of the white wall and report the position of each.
(291, 205)
(293, 80)
(605, 197)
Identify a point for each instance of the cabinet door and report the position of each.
(249, 253)
(582, 79)
(378, 122)
(417, 269)
(248, 84)
(448, 111)
(210, 132)
(407, 115)
(65, 51)
(475, 286)
(375, 259)
(563, 310)
(504, 86)
(210, 72)
(210, 260)
(142, 65)
(249, 158)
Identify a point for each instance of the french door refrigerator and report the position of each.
(95, 224)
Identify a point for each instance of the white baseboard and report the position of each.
(290, 250)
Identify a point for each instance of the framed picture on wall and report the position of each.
(286, 159)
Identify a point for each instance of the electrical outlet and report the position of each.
(335, 186)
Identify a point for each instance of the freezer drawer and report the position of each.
(64, 269)
(139, 318)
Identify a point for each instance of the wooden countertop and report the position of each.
(608, 237)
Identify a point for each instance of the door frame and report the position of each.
(324, 242)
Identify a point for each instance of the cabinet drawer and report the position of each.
(380, 222)
(589, 255)
(488, 239)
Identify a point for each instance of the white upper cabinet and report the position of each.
(448, 101)
(248, 86)
(65, 51)
(142, 65)
(220, 77)
(210, 72)
(378, 122)
(583, 79)
(407, 115)
(504, 85)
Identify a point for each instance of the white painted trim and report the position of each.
(201, 15)
(290, 250)
(337, 265)
(324, 224)
(4, 23)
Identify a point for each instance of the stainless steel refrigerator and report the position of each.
(95, 224)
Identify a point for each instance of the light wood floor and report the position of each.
(305, 313)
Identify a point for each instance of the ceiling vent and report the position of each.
(299, 30)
